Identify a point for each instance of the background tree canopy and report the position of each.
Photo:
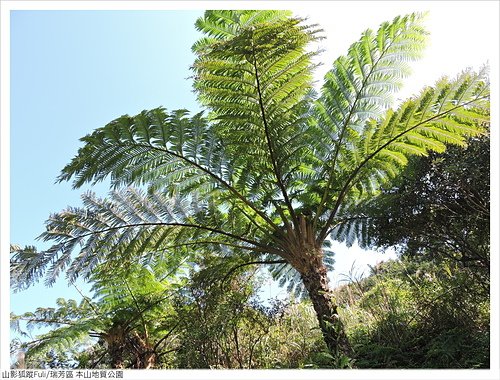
(268, 173)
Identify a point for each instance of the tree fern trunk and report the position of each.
(315, 279)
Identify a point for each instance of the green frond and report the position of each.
(141, 148)
(131, 226)
(70, 324)
(446, 114)
(255, 80)
(27, 265)
(170, 152)
(353, 230)
(359, 85)
(357, 94)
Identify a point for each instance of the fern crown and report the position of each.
(269, 165)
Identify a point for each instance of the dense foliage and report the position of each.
(418, 315)
(406, 314)
(440, 206)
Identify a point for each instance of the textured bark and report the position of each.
(144, 356)
(316, 282)
(128, 347)
(306, 256)
(115, 341)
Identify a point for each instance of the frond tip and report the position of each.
(220, 25)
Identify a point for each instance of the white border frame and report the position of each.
(7, 5)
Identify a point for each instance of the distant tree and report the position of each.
(274, 170)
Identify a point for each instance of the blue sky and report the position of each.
(74, 71)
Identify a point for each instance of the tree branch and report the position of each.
(157, 344)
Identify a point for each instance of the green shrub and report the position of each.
(418, 315)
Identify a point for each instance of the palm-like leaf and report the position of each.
(131, 226)
(255, 83)
(220, 25)
(357, 89)
(168, 151)
(153, 147)
(444, 114)
(72, 325)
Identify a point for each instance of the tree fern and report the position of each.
(137, 301)
(273, 170)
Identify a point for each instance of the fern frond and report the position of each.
(255, 83)
(432, 122)
(359, 88)
(224, 24)
(426, 123)
(167, 151)
(129, 226)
